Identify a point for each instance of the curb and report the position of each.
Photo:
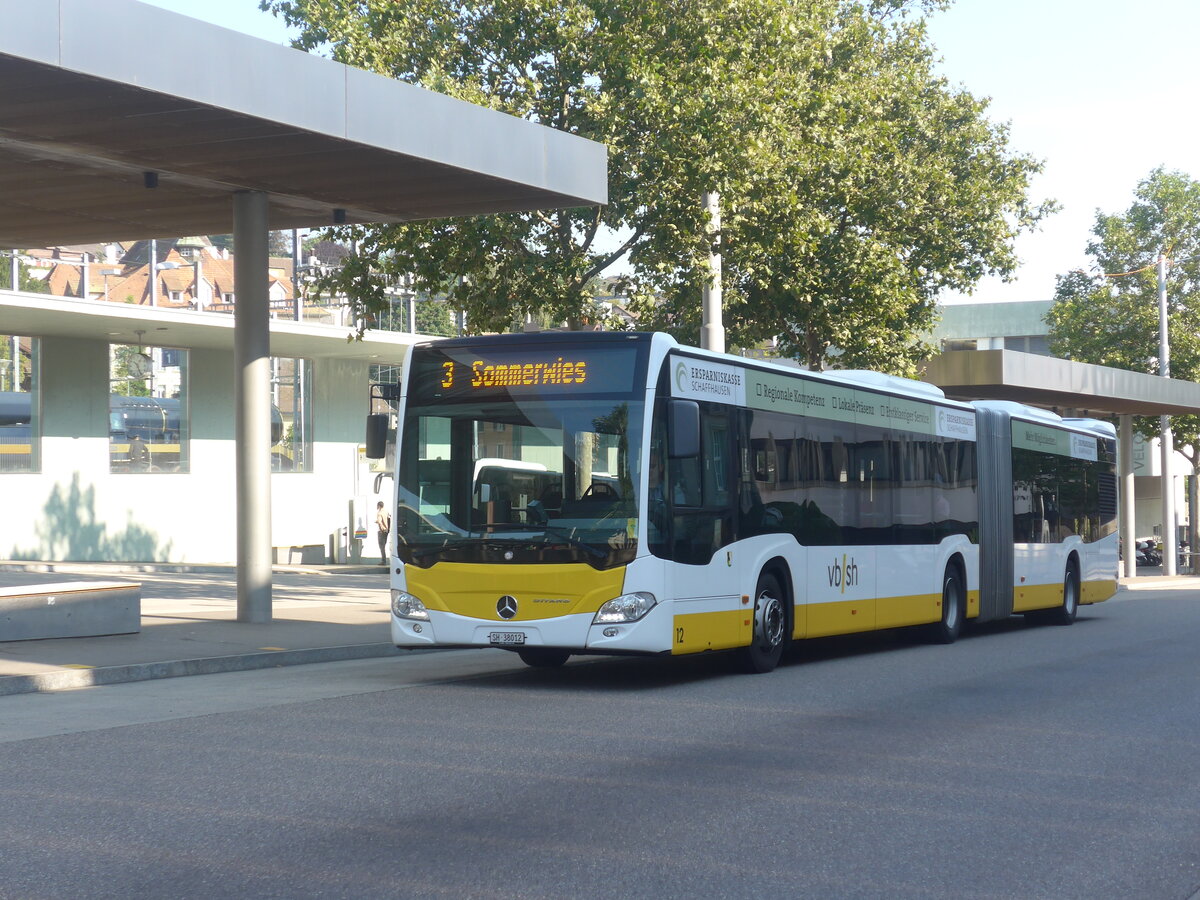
(11, 566)
(73, 679)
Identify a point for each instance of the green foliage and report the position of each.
(434, 318)
(26, 281)
(855, 184)
(20, 377)
(279, 243)
(1109, 316)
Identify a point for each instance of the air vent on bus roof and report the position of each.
(1096, 426)
(1020, 410)
(889, 382)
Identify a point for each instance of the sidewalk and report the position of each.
(189, 627)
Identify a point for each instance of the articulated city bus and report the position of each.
(670, 500)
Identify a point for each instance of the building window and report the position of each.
(971, 344)
(291, 415)
(20, 405)
(148, 415)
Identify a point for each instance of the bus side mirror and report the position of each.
(377, 429)
(683, 429)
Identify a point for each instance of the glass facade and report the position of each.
(148, 409)
(20, 404)
(291, 415)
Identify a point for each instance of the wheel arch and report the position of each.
(779, 567)
(956, 560)
(1074, 562)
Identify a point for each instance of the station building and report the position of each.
(117, 433)
(1021, 328)
(254, 450)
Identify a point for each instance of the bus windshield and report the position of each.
(534, 479)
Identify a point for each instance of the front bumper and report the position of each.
(650, 634)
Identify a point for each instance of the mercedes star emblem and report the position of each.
(506, 606)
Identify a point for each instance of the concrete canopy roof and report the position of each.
(97, 93)
(1051, 383)
(119, 323)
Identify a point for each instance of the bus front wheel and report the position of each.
(770, 627)
(954, 608)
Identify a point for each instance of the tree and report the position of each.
(26, 281)
(433, 317)
(854, 183)
(889, 188)
(1109, 316)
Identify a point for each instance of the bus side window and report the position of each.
(703, 524)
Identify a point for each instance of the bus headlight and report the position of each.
(406, 606)
(626, 608)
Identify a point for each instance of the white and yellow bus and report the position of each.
(670, 500)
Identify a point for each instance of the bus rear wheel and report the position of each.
(770, 627)
(544, 657)
(1066, 612)
(954, 609)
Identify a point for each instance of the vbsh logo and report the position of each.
(843, 573)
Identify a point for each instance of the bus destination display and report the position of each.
(461, 373)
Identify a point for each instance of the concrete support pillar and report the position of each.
(1128, 523)
(252, 386)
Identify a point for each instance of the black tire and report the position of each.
(770, 627)
(954, 609)
(1066, 612)
(544, 657)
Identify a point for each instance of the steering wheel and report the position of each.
(598, 490)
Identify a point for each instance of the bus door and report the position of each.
(702, 501)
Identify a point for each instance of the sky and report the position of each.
(1098, 90)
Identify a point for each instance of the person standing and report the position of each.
(139, 454)
(383, 524)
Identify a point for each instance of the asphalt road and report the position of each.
(1019, 762)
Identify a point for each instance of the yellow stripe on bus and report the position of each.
(697, 632)
(1097, 591)
(1037, 596)
(1048, 596)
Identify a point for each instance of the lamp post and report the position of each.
(107, 273)
(1166, 439)
(154, 273)
(712, 331)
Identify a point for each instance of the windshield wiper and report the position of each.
(566, 535)
(548, 531)
(509, 526)
(422, 552)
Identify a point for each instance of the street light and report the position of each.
(107, 273)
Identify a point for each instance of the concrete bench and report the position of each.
(70, 609)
